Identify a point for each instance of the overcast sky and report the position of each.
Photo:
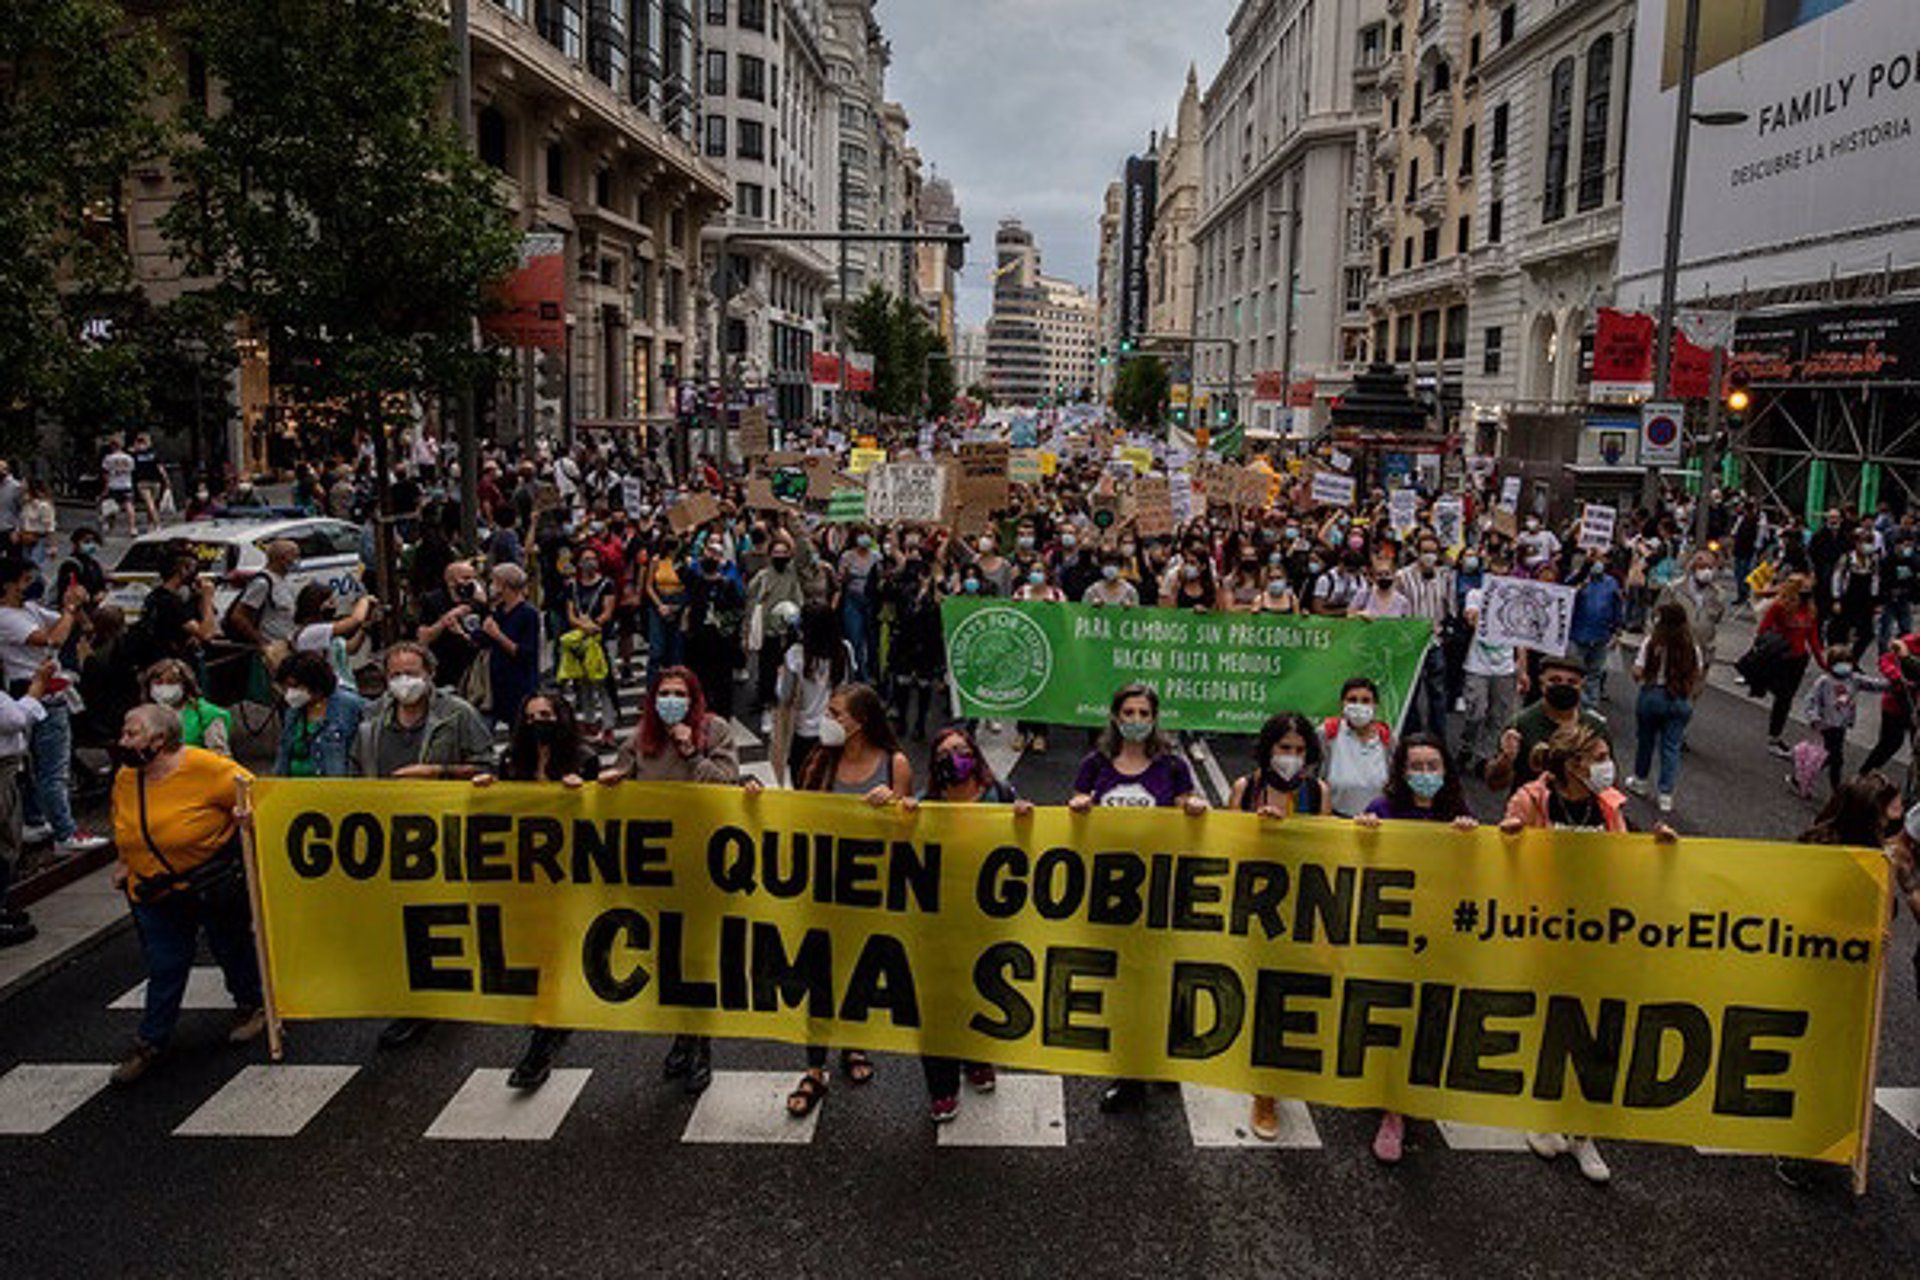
(1030, 107)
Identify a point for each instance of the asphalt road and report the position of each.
(617, 1173)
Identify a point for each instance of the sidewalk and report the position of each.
(71, 919)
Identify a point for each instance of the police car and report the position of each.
(232, 551)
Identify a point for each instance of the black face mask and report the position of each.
(780, 563)
(543, 731)
(131, 757)
(1562, 697)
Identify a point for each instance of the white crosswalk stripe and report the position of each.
(36, 1096)
(1022, 1111)
(1903, 1105)
(206, 989)
(750, 1107)
(1223, 1118)
(486, 1110)
(1480, 1137)
(267, 1102)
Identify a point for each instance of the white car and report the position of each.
(232, 550)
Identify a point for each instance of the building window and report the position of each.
(1430, 244)
(1442, 76)
(643, 291)
(1380, 343)
(1467, 139)
(1403, 339)
(716, 13)
(603, 188)
(1406, 254)
(1391, 175)
(561, 27)
(1473, 52)
(1456, 348)
(716, 135)
(753, 15)
(490, 137)
(1553, 196)
(1490, 360)
(753, 78)
(1372, 45)
(1429, 342)
(1413, 179)
(750, 200)
(1496, 219)
(752, 143)
(556, 170)
(1463, 234)
(674, 288)
(607, 41)
(1386, 266)
(1354, 289)
(717, 72)
(1508, 20)
(1497, 144)
(1593, 124)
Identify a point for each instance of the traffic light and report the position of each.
(956, 249)
(1180, 415)
(1105, 358)
(1127, 346)
(1738, 398)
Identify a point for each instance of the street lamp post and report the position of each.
(1676, 214)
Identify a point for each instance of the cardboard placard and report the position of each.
(756, 436)
(907, 492)
(984, 484)
(1153, 507)
(693, 511)
(1331, 489)
(1024, 466)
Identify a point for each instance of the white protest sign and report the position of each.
(1330, 489)
(906, 492)
(1403, 510)
(1340, 461)
(1510, 494)
(1596, 527)
(633, 496)
(1180, 496)
(1527, 614)
(1450, 521)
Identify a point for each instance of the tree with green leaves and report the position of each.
(1140, 390)
(76, 77)
(910, 368)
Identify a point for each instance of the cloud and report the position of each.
(1030, 107)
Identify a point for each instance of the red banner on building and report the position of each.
(533, 300)
(1623, 347)
(859, 371)
(1301, 394)
(824, 371)
(1271, 385)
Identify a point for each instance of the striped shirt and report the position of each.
(1432, 598)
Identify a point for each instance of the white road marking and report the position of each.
(1022, 1111)
(1903, 1105)
(485, 1109)
(35, 1096)
(999, 749)
(763, 770)
(1223, 1118)
(750, 1107)
(1481, 1137)
(1203, 752)
(744, 738)
(206, 989)
(266, 1102)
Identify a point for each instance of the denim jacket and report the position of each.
(332, 744)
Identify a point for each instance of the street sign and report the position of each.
(1661, 434)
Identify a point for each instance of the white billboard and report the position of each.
(1823, 176)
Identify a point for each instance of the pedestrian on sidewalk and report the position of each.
(30, 635)
(1671, 670)
(1795, 622)
(176, 823)
(17, 718)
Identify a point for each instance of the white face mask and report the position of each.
(1360, 714)
(1703, 576)
(832, 732)
(1600, 776)
(408, 689)
(1287, 766)
(297, 698)
(169, 695)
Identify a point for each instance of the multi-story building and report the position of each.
(1280, 235)
(1016, 346)
(764, 93)
(1107, 287)
(934, 284)
(1068, 321)
(970, 357)
(1172, 268)
(1424, 215)
(897, 200)
(857, 59)
(1552, 84)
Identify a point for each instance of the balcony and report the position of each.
(1430, 202)
(1393, 75)
(1386, 148)
(1443, 27)
(1382, 223)
(1436, 116)
(1575, 235)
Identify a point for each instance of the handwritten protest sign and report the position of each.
(1331, 489)
(907, 492)
(1527, 614)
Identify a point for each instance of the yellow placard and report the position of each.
(1142, 459)
(1049, 462)
(1709, 992)
(860, 461)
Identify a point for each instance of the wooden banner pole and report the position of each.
(1861, 1156)
(276, 1042)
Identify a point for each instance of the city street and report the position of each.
(352, 1160)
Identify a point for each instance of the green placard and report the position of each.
(847, 506)
(1215, 672)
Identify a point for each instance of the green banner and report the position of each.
(1215, 672)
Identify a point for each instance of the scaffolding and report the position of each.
(1810, 448)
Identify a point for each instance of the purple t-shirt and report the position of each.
(1165, 780)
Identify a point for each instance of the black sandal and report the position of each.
(806, 1096)
(858, 1066)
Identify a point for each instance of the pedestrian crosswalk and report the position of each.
(740, 1108)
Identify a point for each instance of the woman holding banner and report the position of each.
(858, 755)
(1356, 746)
(1573, 792)
(960, 775)
(546, 745)
(1422, 786)
(1133, 765)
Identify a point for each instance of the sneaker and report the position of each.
(766, 723)
(1779, 748)
(1666, 802)
(535, 1065)
(1039, 745)
(82, 841)
(38, 833)
(1592, 1167)
(942, 1110)
(1548, 1145)
(699, 1071)
(248, 1025)
(981, 1077)
(1636, 786)
(402, 1031)
(679, 1059)
(16, 935)
(135, 1064)
(1122, 1095)
(1265, 1121)
(1389, 1144)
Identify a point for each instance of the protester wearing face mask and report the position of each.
(816, 663)
(171, 684)
(1356, 745)
(1699, 594)
(992, 571)
(84, 567)
(1133, 765)
(322, 720)
(1285, 778)
(177, 617)
(585, 668)
(1190, 583)
(176, 814)
(959, 774)
(1382, 597)
(856, 596)
(510, 633)
(1112, 589)
(1561, 681)
(782, 581)
(1538, 547)
(1572, 791)
(1790, 631)
(1422, 786)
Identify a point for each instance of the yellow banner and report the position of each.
(862, 460)
(1719, 993)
